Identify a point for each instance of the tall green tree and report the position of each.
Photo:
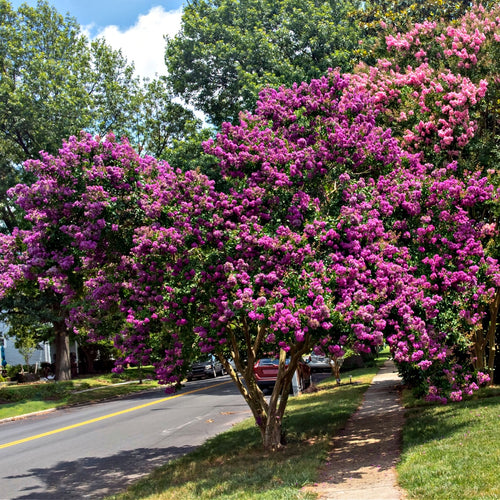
(53, 84)
(227, 50)
(160, 123)
(41, 95)
(111, 88)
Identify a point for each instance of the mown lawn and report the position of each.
(453, 451)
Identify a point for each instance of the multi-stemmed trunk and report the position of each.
(268, 415)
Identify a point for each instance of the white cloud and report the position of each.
(143, 44)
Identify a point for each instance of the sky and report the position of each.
(136, 27)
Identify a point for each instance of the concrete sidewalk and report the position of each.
(361, 465)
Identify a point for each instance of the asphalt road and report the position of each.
(96, 450)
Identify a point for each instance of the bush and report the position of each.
(39, 392)
(12, 371)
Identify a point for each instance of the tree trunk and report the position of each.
(63, 362)
(268, 416)
(479, 348)
(273, 435)
(484, 339)
(494, 308)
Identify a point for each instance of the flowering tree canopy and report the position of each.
(82, 209)
(335, 232)
(332, 236)
(438, 88)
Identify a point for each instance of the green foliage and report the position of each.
(159, 122)
(43, 60)
(26, 344)
(41, 391)
(228, 50)
(401, 14)
(13, 370)
(111, 89)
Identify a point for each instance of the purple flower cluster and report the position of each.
(335, 233)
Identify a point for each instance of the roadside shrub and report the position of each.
(12, 371)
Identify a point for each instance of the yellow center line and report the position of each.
(104, 417)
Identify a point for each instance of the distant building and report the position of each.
(11, 356)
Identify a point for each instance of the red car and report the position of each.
(266, 371)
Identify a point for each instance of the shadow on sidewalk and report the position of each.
(362, 461)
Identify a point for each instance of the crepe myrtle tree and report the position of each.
(314, 245)
(437, 87)
(426, 224)
(311, 247)
(81, 212)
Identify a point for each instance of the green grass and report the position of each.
(453, 451)
(21, 399)
(233, 465)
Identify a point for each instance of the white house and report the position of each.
(11, 356)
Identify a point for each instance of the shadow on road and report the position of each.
(94, 477)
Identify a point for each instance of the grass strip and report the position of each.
(452, 451)
(233, 464)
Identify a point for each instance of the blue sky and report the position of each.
(134, 26)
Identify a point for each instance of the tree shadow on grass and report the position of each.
(430, 423)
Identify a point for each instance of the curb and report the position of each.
(27, 415)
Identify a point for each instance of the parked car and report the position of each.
(318, 364)
(209, 367)
(266, 371)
